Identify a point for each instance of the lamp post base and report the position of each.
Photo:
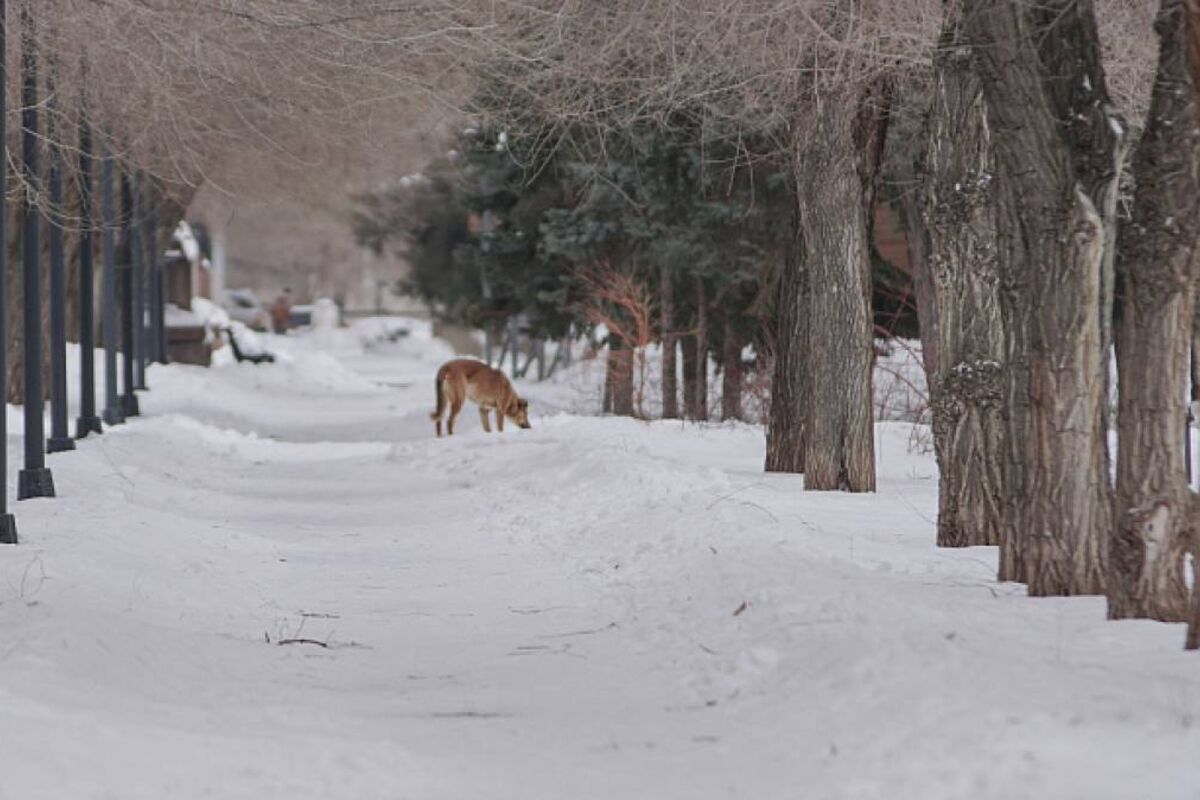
(129, 405)
(8, 529)
(113, 416)
(33, 483)
(59, 444)
(86, 425)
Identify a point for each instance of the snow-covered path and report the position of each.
(596, 608)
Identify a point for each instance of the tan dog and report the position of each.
(488, 388)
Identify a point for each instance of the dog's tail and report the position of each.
(440, 394)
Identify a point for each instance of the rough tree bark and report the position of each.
(1057, 494)
(838, 415)
(731, 372)
(870, 137)
(1158, 270)
(785, 424)
(1192, 13)
(1073, 78)
(959, 209)
(666, 313)
(1195, 393)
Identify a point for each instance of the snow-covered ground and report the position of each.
(593, 609)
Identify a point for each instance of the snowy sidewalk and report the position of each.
(596, 608)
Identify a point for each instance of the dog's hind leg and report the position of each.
(440, 402)
(456, 405)
(483, 417)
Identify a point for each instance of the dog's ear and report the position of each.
(522, 404)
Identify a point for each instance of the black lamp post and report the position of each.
(87, 422)
(60, 438)
(129, 400)
(148, 349)
(137, 282)
(8, 523)
(113, 413)
(160, 311)
(35, 479)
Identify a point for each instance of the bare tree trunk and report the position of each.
(688, 351)
(870, 136)
(785, 426)
(1073, 78)
(701, 394)
(1057, 501)
(916, 235)
(1195, 393)
(1158, 254)
(610, 378)
(622, 386)
(1192, 640)
(1192, 27)
(1191, 12)
(966, 387)
(731, 372)
(666, 310)
(838, 415)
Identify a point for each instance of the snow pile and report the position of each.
(215, 320)
(324, 314)
(188, 245)
(210, 313)
(219, 324)
(176, 317)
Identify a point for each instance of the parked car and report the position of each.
(244, 306)
(300, 316)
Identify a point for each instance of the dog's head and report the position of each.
(519, 413)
